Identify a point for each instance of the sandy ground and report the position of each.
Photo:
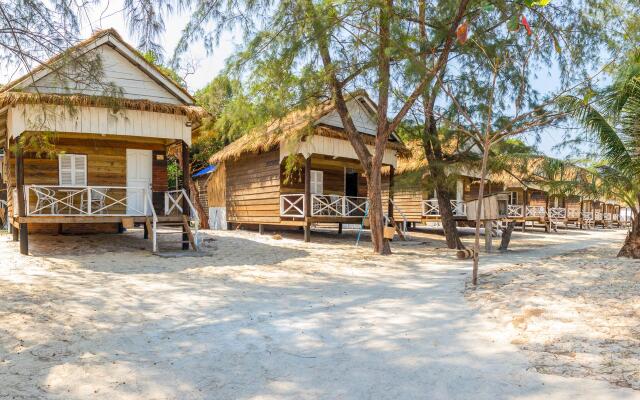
(257, 317)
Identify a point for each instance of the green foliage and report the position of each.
(153, 58)
(174, 173)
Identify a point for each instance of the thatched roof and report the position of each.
(291, 129)
(76, 51)
(194, 113)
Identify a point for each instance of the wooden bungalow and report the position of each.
(418, 201)
(105, 165)
(298, 171)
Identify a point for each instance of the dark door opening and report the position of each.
(351, 184)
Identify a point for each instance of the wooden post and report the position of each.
(23, 231)
(186, 177)
(525, 203)
(261, 229)
(307, 199)
(390, 205)
(488, 240)
(146, 231)
(14, 231)
(339, 228)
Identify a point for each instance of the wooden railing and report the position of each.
(431, 208)
(514, 211)
(557, 213)
(292, 205)
(536, 211)
(338, 206)
(43, 200)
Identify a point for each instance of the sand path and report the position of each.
(262, 319)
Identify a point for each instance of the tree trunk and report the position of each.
(506, 236)
(631, 247)
(446, 216)
(376, 216)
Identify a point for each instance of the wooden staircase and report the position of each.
(172, 227)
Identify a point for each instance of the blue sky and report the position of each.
(209, 65)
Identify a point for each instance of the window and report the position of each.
(72, 169)
(513, 198)
(316, 182)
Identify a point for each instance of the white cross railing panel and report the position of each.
(587, 216)
(535, 211)
(557, 213)
(430, 208)
(459, 208)
(607, 216)
(327, 205)
(514, 210)
(41, 200)
(597, 215)
(292, 205)
(355, 206)
(615, 217)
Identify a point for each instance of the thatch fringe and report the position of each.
(194, 113)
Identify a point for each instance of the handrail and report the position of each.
(289, 205)
(154, 220)
(194, 217)
(404, 216)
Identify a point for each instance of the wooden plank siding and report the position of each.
(410, 202)
(253, 188)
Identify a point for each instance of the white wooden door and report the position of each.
(139, 167)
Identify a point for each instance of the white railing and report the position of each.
(615, 217)
(587, 216)
(557, 213)
(597, 215)
(536, 211)
(43, 200)
(292, 205)
(338, 206)
(607, 216)
(430, 208)
(573, 213)
(514, 211)
(154, 220)
(459, 208)
(173, 202)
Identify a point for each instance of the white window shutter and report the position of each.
(316, 182)
(80, 170)
(72, 169)
(65, 167)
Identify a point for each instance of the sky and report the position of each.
(207, 66)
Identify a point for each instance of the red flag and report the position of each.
(526, 25)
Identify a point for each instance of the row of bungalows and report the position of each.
(523, 195)
(107, 165)
(299, 171)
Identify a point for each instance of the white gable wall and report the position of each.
(116, 69)
(97, 120)
(360, 116)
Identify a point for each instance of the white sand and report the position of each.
(270, 319)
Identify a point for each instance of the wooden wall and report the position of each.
(410, 202)
(253, 188)
(216, 187)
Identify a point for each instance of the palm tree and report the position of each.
(610, 118)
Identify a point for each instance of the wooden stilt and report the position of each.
(339, 228)
(261, 229)
(307, 232)
(146, 230)
(14, 233)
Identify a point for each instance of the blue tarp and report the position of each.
(204, 171)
